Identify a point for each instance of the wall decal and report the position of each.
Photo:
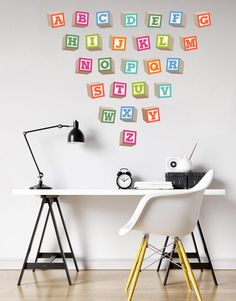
(163, 90)
(128, 113)
(152, 66)
(164, 42)
(139, 89)
(203, 19)
(189, 43)
(151, 114)
(57, 20)
(70, 42)
(128, 138)
(106, 65)
(84, 65)
(81, 19)
(104, 19)
(129, 20)
(96, 90)
(129, 66)
(93, 42)
(174, 65)
(118, 89)
(118, 43)
(153, 20)
(107, 115)
(177, 19)
(142, 43)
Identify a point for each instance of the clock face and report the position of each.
(124, 181)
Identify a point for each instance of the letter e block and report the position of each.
(70, 42)
(106, 65)
(152, 66)
(57, 20)
(96, 90)
(202, 19)
(118, 43)
(128, 138)
(174, 65)
(151, 114)
(177, 19)
(128, 113)
(104, 19)
(107, 115)
(139, 89)
(81, 19)
(153, 20)
(118, 89)
(163, 90)
(164, 42)
(93, 42)
(129, 66)
(129, 20)
(84, 65)
(142, 43)
(189, 43)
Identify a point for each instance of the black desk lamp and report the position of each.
(75, 135)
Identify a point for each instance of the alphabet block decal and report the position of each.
(118, 43)
(142, 43)
(81, 19)
(152, 66)
(163, 90)
(93, 42)
(70, 42)
(107, 115)
(153, 20)
(84, 65)
(189, 43)
(164, 42)
(129, 66)
(129, 20)
(139, 89)
(128, 138)
(57, 20)
(118, 89)
(96, 90)
(177, 19)
(106, 65)
(128, 113)
(151, 114)
(104, 19)
(203, 19)
(174, 65)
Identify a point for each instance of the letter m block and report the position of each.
(128, 138)
(107, 115)
(189, 43)
(151, 114)
(57, 20)
(96, 90)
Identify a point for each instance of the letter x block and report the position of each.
(153, 20)
(57, 20)
(128, 113)
(84, 65)
(164, 42)
(104, 19)
(129, 20)
(152, 66)
(203, 19)
(81, 19)
(128, 138)
(129, 66)
(142, 43)
(70, 42)
(177, 19)
(107, 115)
(96, 90)
(163, 90)
(93, 42)
(118, 43)
(118, 89)
(189, 43)
(151, 114)
(174, 65)
(139, 89)
(106, 65)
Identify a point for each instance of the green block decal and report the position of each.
(93, 42)
(139, 89)
(154, 20)
(71, 42)
(107, 115)
(105, 65)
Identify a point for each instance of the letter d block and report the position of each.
(189, 43)
(70, 42)
(129, 20)
(93, 42)
(153, 20)
(107, 115)
(96, 90)
(164, 42)
(151, 114)
(152, 66)
(128, 138)
(174, 65)
(202, 19)
(81, 19)
(128, 113)
(139, 89)
(106, 65)
(177, 19)
(118, 89)
(57, 20)
(84, 65)
(129, 66)
(163, 90)
(142, 43)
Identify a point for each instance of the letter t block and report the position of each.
(118, 89)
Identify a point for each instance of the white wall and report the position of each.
(39, 88)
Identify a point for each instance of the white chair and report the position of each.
(171, 213)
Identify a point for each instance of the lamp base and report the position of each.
(40, 185)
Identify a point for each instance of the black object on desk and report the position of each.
(184, 180)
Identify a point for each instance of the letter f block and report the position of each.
(177, 19)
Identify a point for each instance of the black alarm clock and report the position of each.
(124, 179)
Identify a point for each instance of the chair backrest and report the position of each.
(173, 213)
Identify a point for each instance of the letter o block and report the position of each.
(152, 66)
(118, 89)
(81, 19)
(151, 114)
(128, 138)
(106, 65)
(57, 20)
(96, 90)
(203, 19)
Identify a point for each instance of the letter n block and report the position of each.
(57, 20)
(81, 19)
(118, 89)
(129, 66)
(202, 19)
(189, 43)
(163, 90)
(129, 20)
(177, 19)
(106, 65)
(107, 115)
(93, 42)
(128, 113)
(153, 20)
(104, 19)
(84, 65)
(174, 65)
(152, 66)
(151, 114)
(118, 43)
(96, 90)
(128, 138)
(142, 43)
(70, 42)
(139, 89)
(164, 42)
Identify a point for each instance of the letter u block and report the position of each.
(104, 19)
(202, 19)
(96, 90)
(177, 19)
(118, 89)
(151, 114)
(128, 138)
(129, 20)
(81, 19)
(70, 42)
(139, 89)
(163, 90)
(84, 65)
(129, 66)
(128, 113)
(142, 43)
(153, 20)
(57, 20)
(118, 43)
(189, 43)
(152, 66)
(174, 65)
(107, 115)
(93, 42)
(164, 42)
(106, 65)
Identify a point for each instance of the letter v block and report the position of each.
(152, 66)
(139, 89)
(70, 42)
(128, 138)
(189, 43)
(174, 65)
(151, 114)
(164, 42)
(107, 115)
(202, 19)
(96, 90)
(93, 42)
(163, 90)
(81, 19)
(142, 43)
(57, 20)
(84, 65)
(128, 113)
(118, 89)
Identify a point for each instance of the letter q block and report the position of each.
(128, 138)
(81, 19)
(104, 19)
(189, 43)
(57, 20)
(152, 66)
(202, 19)
(96, 90)
(84, 65)
(151, 114)
(118, 89)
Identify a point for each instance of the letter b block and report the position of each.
(139, 89)
(129, 20)
(203, 19)
(107, 115)
(151, 114)
(128, 138)
(174, 65)
(81, 19)
(189, 43)
(57, 20)
(93, 42)
(152, 66)
(118, 89)
(106, 65)
(70, 42)
(96, 90)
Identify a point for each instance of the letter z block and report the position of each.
(118, 89)
(84, 65)
(128, 113)
(139, 89)
(174, 65)
(164, 42)
(128, 138)
(202, 19)
(81, 19)
(106, 65)
(96, 90)
(163, 90)
(118, 43)
(189, 43)
(153, 20)
(70, 42)
(57, 20)
(142, 43)
(152, 66)
(107, 115)
(177, 19)
(93, 42)
(104, 19)
(129, 20)
(151, 114)
(129, 66)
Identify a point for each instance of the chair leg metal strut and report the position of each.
(49, 200)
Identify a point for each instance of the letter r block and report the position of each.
(84, 65)
(203, 19)
(189, 43)
(96, 90)
(151, 114)
(118, 43)
(142, 43)
(129, 20)
(152, 66)
(70, 42)
(57, 20)
(107, 115)
(129, 66)
(153, 20)
(128, 138)
(104, 19)
(81, 19)
(118, 89)
(174, 65)
(177, 19)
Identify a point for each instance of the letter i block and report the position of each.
(93, 42)
(139, 89)
(152, 66)
(151, 114)
(118, 89)
(129, 20)
(118, 43)
(128, 138)
(174, 65)
(96, 90)
(177, 19)
(189, 43)
(70, 42)
(57, 20)
(107, 115)
(164, 42)
(142, 43)
(163, 90)
(129, 66)
(128, 113)
(104, 19)
(81, 19)
(106, 65)
(84, 65)
(153, 20)
(202, 19)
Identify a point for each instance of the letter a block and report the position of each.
(81, 19)
(70, 42)
(57, 20)
(129, 20)
(107, 115)
(129, 66)
(202, 19)
(104, 19)
(106, 65)
(189, 43)
(118, 89)
(93, 42)
(142, 43)
(139, 90)
(163, 90)
(118, 43)
(151, 114)
(177, 19)
(153, 20)
(128, 113)
(152, 66)
(128, 138)
(174, 65)
(96, 90)
(164, 42)
(84, 65)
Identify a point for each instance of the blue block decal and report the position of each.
(127, 113)
(176, 18)
(103, 18)
(173, 65)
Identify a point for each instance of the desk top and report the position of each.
(103, 192)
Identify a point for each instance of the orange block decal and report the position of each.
(96, 90)
(152, 66)
(118, 43)
(151, 114)
(57, 20)
(189, 43)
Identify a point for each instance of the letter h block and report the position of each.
(128, 114)
(118, 43)
(151, 114)
(174, 65)
(118, 89)
(104, 19)
(81, 19)
(57, 20)
(202, 19)
(70, 42)
(128, 138)
(96, 90)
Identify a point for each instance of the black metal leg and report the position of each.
(66, 232)
(206, 251)
(162, 253)
(169, 265)
(31, 242)
(196, 249)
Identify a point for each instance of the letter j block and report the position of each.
(96, 90)
(57, 20)
(128, 138)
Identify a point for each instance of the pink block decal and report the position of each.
(143, 43)
(84, 65)
(129, 137)
(81, 18)
(119, 89)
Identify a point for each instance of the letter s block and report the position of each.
(152, 66)
(106, 65)
(118, 89)
(81, 19)
(96, 90)
(128, 138)
(189, 43)
(57, 20)
(151, 114)
(203, 19)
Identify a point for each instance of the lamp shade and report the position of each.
(75, 134)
